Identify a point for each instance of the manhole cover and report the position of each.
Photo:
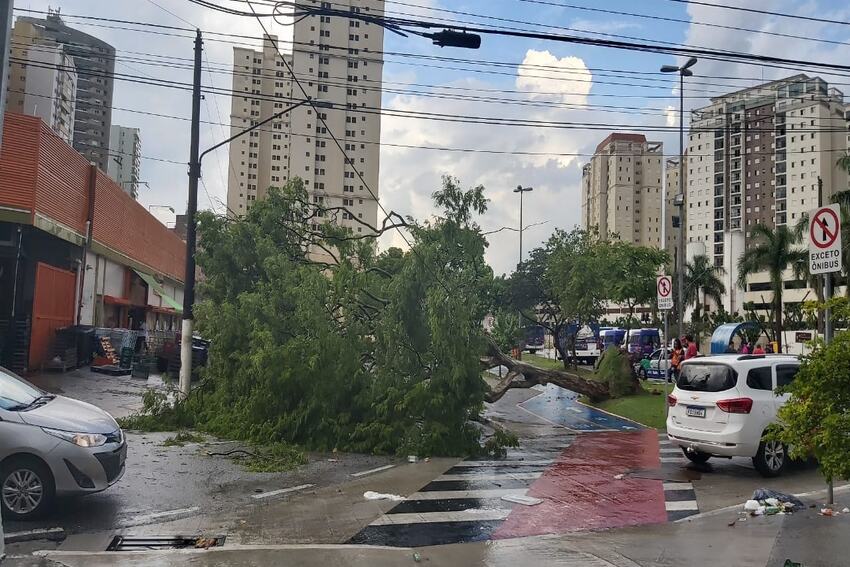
(131, 543)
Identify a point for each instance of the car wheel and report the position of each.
(771, 458)
(697, 457)
(26, 488)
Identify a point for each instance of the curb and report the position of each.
(52, 534)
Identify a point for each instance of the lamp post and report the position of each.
(683, 71)
(520, 189)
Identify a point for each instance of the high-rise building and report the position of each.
(337, 61)
(756, 156)
(125, 154)
(94, 61)
(621, 189)
(42, 80)
(671, 173)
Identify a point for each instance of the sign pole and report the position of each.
(666, 363)
(827, 338)
(824, 258)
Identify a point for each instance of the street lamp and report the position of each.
(520, 189)
(684, 71)
(189, 291)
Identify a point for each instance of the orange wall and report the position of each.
(41, 173)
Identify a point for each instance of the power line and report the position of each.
(764, 12)
(684, 21)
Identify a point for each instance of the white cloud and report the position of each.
(672, 115)
(548, 77)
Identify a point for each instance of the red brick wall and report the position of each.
(40, 172)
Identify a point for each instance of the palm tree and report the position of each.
(701, 275)
(772, 251)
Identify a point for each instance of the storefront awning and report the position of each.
(155, 287)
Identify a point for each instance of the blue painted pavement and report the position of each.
(561, 406)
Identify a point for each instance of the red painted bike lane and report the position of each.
(580, 491)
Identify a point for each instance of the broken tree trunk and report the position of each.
(524, 375)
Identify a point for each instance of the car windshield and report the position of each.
(15, 392)
(706, 377)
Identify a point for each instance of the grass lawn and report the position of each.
(646, 408)
(552, 364)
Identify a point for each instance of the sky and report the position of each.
(582, 92)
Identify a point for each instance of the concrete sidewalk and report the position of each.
(704, 541)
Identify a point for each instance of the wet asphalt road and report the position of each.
(171, 482)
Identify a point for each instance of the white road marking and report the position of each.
(677, 486)
(370, 471)
(489, 476)
(282, 491)
(670, 450)
(672, 459)
(454, 494)
(472, 515)
(513, 463)
(144, 518)
(684, 505)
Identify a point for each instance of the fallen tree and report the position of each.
(523, 375)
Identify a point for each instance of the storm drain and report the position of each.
(130, 543)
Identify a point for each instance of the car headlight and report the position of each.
(79, 439)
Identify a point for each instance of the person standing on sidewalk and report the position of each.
(676, 359)
(691, 350)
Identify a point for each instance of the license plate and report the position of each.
(695, 412)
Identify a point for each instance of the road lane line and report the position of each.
(282, 491)
(370, 471)
(159, 515)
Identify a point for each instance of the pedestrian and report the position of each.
(768, 348)
(758, 349)
(745, 348)
(731, 348)
(691, 351)
(675, 359)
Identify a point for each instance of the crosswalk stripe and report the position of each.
(672, 459)
(670, 450)
(677, 486)
(490, 476)
(483, 493)
(504, 463)
(683, 505)
(472, 515)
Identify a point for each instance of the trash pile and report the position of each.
(766, 502)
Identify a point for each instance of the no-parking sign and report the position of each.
(664, 285)
(825, 240)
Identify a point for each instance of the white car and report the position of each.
(722, 405)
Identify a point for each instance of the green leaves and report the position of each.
(816, 420)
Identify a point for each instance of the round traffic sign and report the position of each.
(665, 287)
(823, 229)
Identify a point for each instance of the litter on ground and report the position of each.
(524, 500)
(370, 495)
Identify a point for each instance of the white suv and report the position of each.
(722, 405)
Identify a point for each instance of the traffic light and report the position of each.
(451, 38)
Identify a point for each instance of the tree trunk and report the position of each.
(559, 347)
(524, 375)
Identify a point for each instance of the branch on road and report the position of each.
(524, 375)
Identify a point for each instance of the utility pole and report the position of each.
(5, 42)
(191, 210)
(520, 189)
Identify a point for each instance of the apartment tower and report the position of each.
(94, 63)
(621, 189)
(338, 62)
(762, 155)
(125, 154)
